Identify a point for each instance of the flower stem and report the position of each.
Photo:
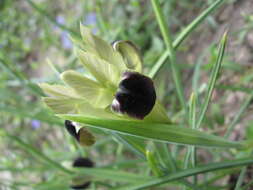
(172, 56)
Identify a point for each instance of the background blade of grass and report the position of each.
(52, 20)
(238, 116)
(191, 151)
(112, 174)
(183, 35)
(212, 81)
(38, 154)
(172, 56)
(196, 22)
(190, 172)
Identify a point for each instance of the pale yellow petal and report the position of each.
(88, 89)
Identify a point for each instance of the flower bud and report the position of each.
(83, 136)
(136, 95)
(71, 128)
(80, 182)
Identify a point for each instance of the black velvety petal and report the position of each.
(136, 95)
(83, 186)
(71, 128)
(82, 162)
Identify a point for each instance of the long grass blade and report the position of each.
(183, 35)
(161, 132)
(172, 56)
(195, 23)
(114, 175)
(237, 118)
(47, 16)
(38, 154)
(190, 172)
(212, 81)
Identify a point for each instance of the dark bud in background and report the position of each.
(71, 128)
(83, 136)
(80, 182)
(83, 162)
(136, 95)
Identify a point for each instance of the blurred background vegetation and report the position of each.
(34, 32)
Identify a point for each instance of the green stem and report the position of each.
(190, 172)
(172, 56)
(238, 115)
(212, 81)
(186, 32)
(39, 154)
(241, 178)
(44, 13)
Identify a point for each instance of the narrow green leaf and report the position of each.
(172, 55)
(152, 161)
(196, 22)
(38, 154)
(156, 131)
(189, 172)
(114, 175)
(213, 78)
(237, 117)
(183, 34)
(240, 178)
(135, 144)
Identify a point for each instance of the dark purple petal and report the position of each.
(136, 95)
(86, 163)
(71, 128)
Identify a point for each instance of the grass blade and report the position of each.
(213, 78)
(156, 131)
(191, 151)
(244, 106)
(194, 24)
(38, 154)
(132, 143)
(167, 38)
(241, 178)
(46, 15)
(190, 172)
(114, 175)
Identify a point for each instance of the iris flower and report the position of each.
(117, 91)
(114, 70)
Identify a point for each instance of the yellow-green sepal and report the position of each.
(130, 54)
(99, 47)
(158, 114)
